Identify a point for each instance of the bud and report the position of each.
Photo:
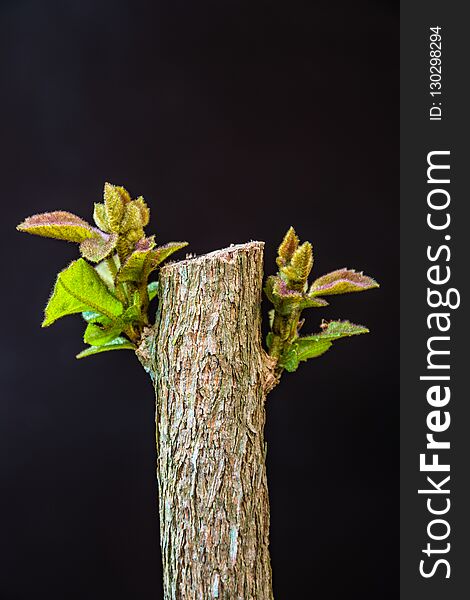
(287, 248)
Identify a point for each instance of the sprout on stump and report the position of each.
(290, 294)
(110, 284)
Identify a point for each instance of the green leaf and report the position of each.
(311, 346)
(133, 313)
(286, 300)
(132, 218)
(333, 330)
(107, 270)
(309, 302)
(91, 316)
(299, 267)
(144, 210)
(146, 259)
(79, 288)
(100, 217)
(115, 200)
(60, 225)
(137, 267)
(271, 315)
(303, 349)
(288, 246)
(269, 340)
(98, 248)
(163, 252)
(341, 281)
(96, 335)
(152, 289)
(119, 343)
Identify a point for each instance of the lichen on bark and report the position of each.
(211, 377)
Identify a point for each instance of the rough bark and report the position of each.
(211, 378)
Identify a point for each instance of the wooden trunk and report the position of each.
(211, 378)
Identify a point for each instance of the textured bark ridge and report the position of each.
(211, 377)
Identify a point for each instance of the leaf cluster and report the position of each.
(290, 294)
(109, 284)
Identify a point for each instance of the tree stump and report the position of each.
(211, 378)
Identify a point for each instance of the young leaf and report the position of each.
(312, 346)
(107, 270)
(269, 339)
(137, 267)
(298, 270)
(338, 329)
(95, 335)
(100, 217)
(79, 288)
(309, 302)
(90, 316)
(119, 343)
(145, 259)
(132, 218)
(278, 293)
(163, 252)
(271, 315)
(115, 199)
(146, 243)
(152, 289)
(288, 246)
(303, 349)
(98, 248)
(60, 225)
(341, 281)
(144, 210)
(285, 299)
(133, 313)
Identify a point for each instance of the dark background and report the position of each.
(234, 119)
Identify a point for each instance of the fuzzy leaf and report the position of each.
(303, 349)
(333, 330)
(107, 272)
(133, 313)
(268, 288)
(298, 270)
(311, 346)
(288, 246)
(136, 268)
(163, 252)
(152, 290)
(96, 335)
(285, 299)
(144, 259)
(60, 225)
(91, 316)
(119, 343)
(132, 218)
(341, 281)
(98, 248)
(100, 218)
(146, 243)
(115, 199)
(144, 211)
(309, 302)
(79, 288)
(134, 235)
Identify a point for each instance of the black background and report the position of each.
(234, 120)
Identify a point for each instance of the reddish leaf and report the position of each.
(60, 225)
(341, 281)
